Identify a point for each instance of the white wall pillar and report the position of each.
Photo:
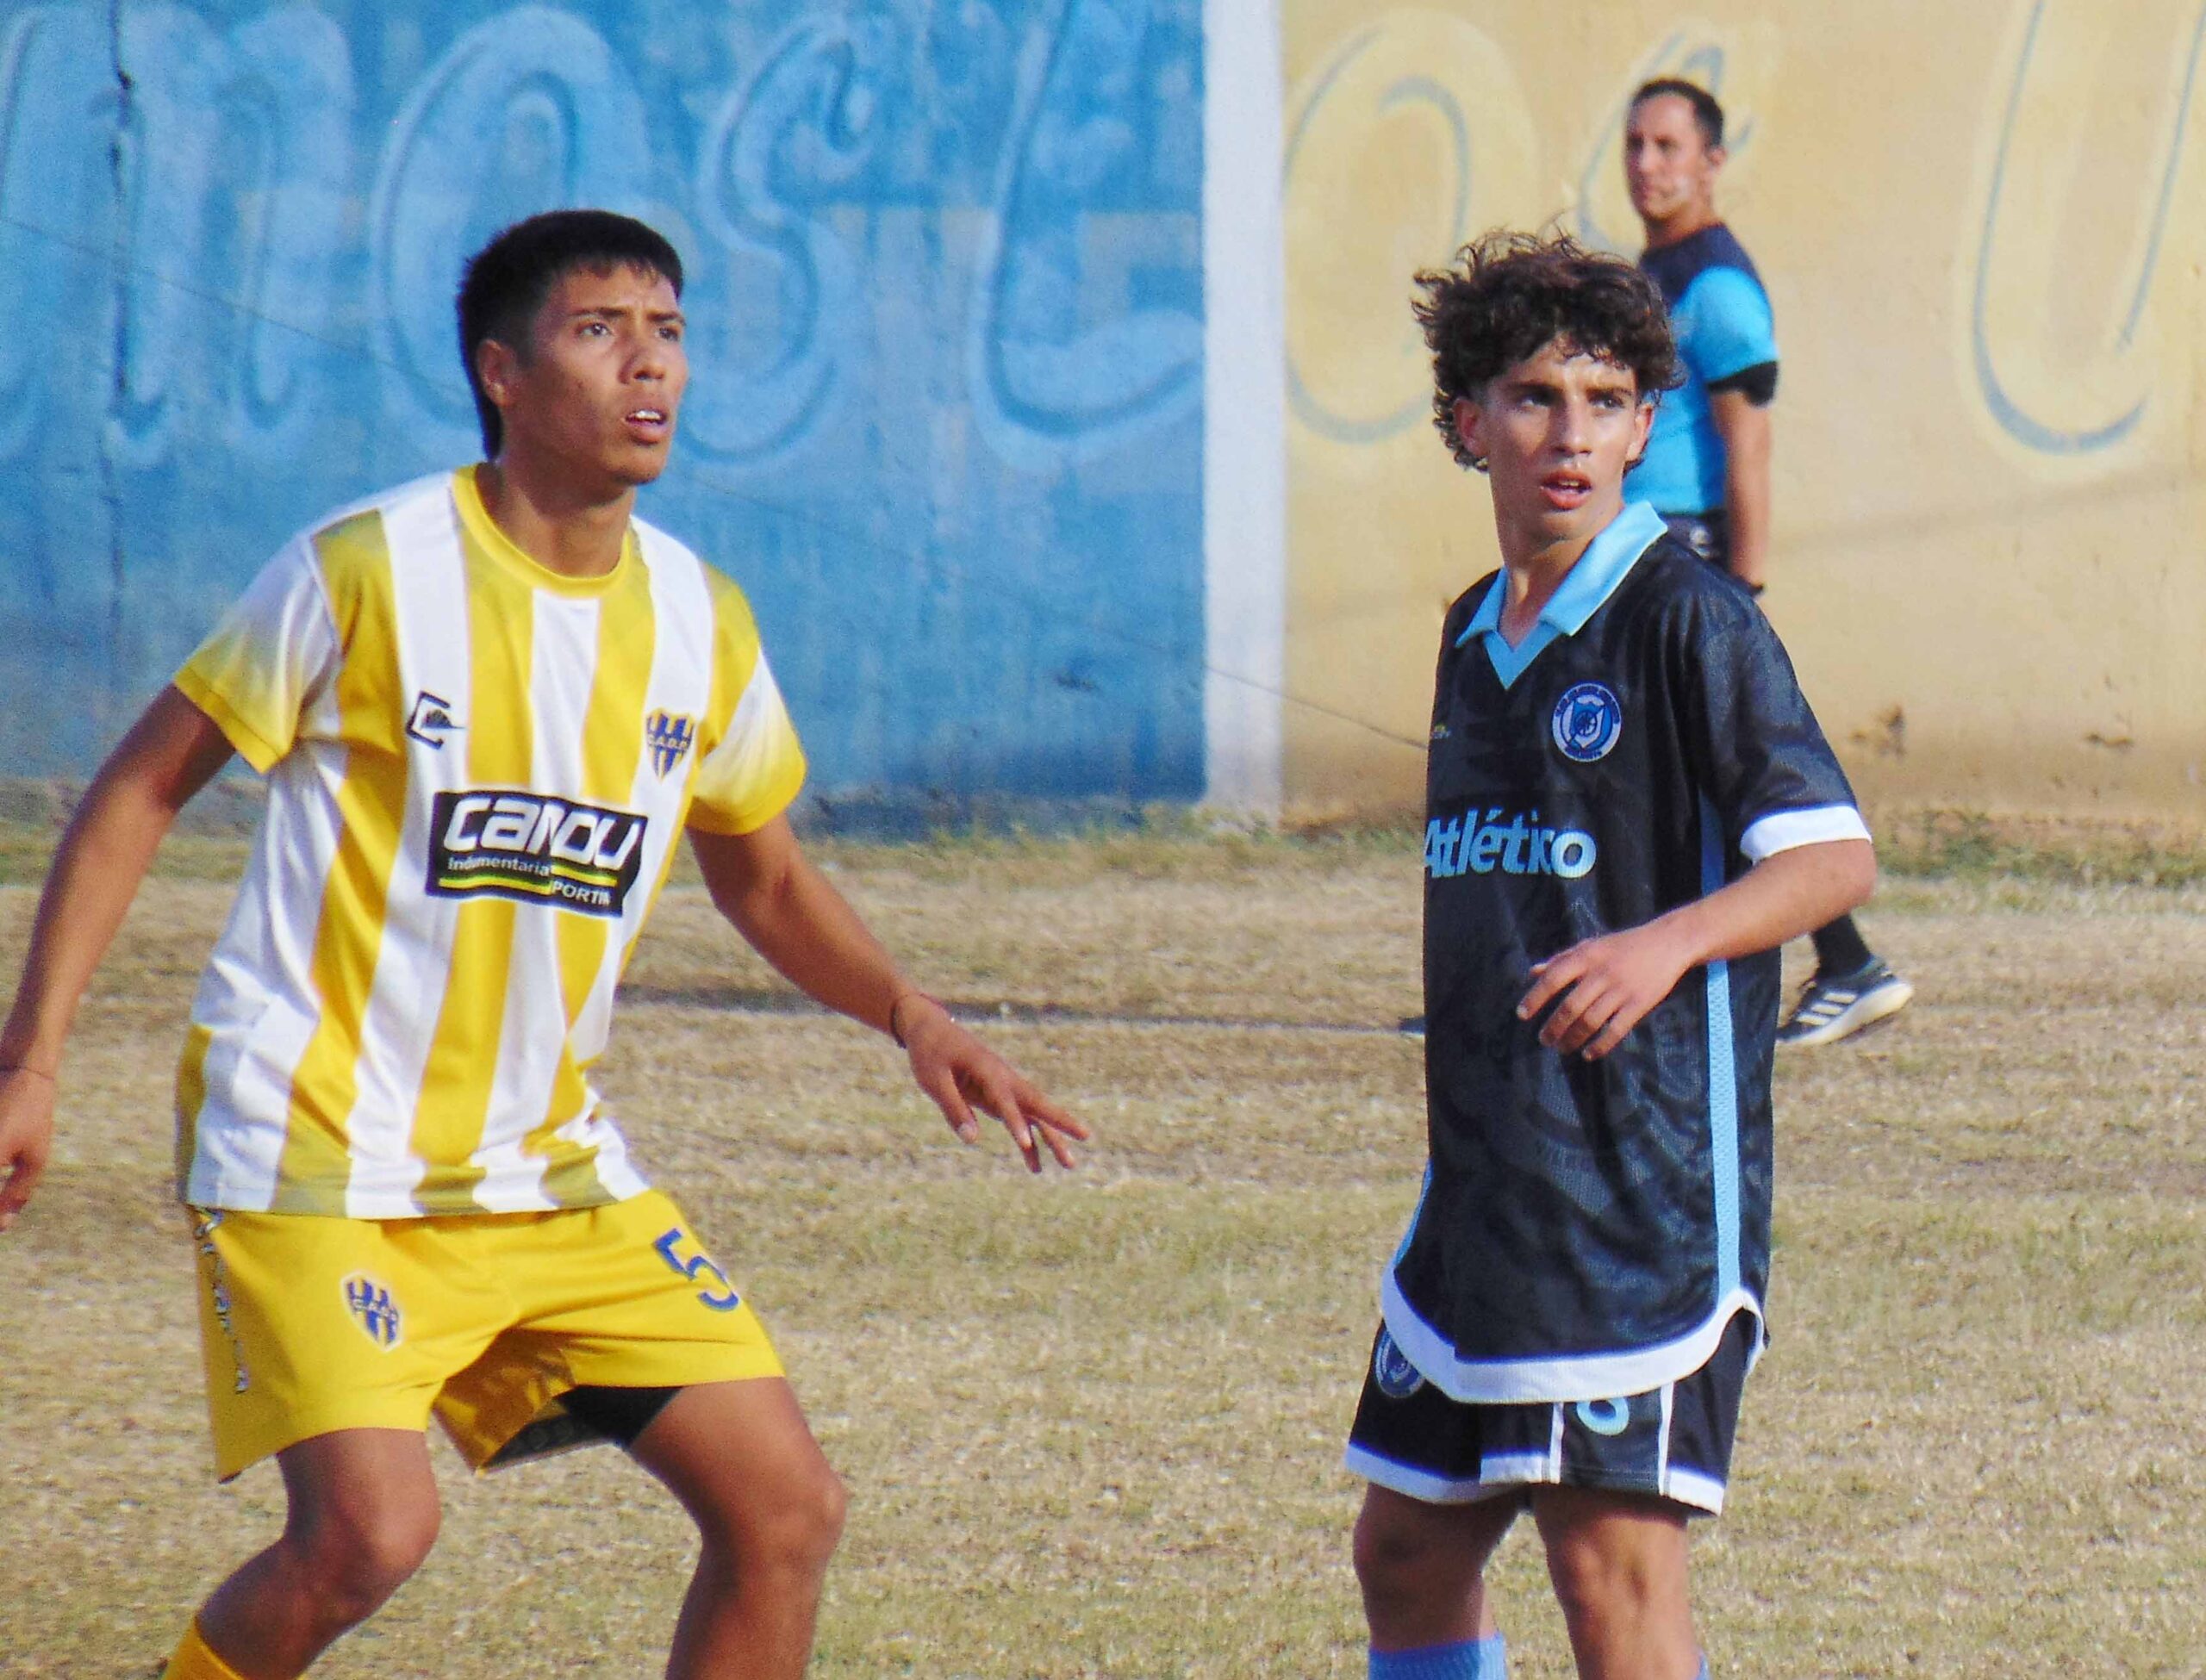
(1244, 407)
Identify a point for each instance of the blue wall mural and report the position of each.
(946, 305)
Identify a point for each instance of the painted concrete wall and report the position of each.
(946, 289)
(1983, 226)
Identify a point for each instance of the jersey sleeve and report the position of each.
(1764, 762)
(753, 765)
(270, 658)
(1724, 325)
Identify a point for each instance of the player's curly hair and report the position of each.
(1510, 295)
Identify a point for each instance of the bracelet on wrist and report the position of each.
(903, 997)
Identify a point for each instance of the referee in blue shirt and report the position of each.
(1706, 470)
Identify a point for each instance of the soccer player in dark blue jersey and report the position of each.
(1630, 808)
(1706, 469)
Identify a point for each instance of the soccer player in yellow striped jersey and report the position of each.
(487, 704)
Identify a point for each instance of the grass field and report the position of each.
(1092, 1425)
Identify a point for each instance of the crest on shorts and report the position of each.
(669, 735)
(1587, 720)
(1391, 1369)
(374, 1310)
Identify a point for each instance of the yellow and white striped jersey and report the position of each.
(477, 772)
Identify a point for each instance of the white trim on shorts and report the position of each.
(1420, 1484)
(1691, 1487)
(1501, 1474)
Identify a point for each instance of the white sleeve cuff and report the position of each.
(1782, 830)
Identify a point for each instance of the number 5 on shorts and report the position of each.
(697, 1265)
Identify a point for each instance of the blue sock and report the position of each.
(1473, 1659)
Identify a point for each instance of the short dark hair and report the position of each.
(1510, 294)
(1707, 115)
(505, 282)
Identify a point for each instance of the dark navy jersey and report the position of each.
(1588, 1228)
(1725, 332)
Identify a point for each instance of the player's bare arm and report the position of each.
(792, 914)
(1743, 424)
(170, 754)
(1602, 988)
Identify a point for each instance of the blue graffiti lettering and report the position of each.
(525, 112)
(2008, 408)
(1064, 360)
(805, 124)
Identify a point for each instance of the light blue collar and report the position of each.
(1591, 579)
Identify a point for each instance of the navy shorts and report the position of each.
(1674, 1441)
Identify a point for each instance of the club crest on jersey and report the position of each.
(431, 719)
(534, 849)
(374, 1310)
(1391, 1369)
(1587, 720)
(669, 735)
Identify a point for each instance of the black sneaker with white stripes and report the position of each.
(1836, 1007)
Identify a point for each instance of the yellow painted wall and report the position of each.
(1982, 226)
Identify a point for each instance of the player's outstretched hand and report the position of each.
(26, 1137)
(1602, 988)
(961, 1073)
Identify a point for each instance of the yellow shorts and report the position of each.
(310, 1324)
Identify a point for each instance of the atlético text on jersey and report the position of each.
(1588, 1228)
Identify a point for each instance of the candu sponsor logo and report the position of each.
(1511, 841)
(534, 848)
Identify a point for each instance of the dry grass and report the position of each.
(1092, 1426)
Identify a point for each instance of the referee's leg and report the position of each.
(768, 1509)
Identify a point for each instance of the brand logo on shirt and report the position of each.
(374, 1310)
(1391, 1371)
(538, 851)
(432, 720)
(1511, 842)
(1587, 720)
(669, 736)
